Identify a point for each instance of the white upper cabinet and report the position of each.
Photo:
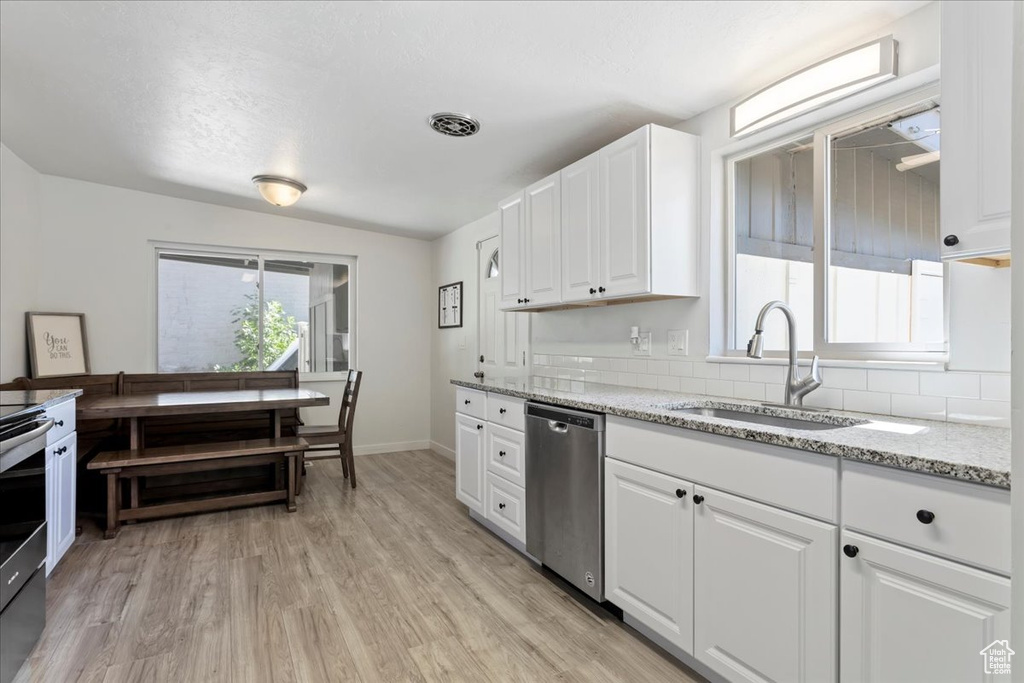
(581, 229)
(764, 591)
(910, 616)
(543, 242)
(511, 241)
(977, 53)
(621, 225)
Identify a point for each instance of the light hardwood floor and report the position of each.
(389, 582)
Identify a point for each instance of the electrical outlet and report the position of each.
(643, 347)
(678, 342)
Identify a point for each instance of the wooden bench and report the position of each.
(173, 460)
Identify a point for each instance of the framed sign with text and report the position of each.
(449, 305)
(57, 346)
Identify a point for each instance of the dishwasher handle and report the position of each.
(557, 426)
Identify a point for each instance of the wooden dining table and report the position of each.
(137, 407)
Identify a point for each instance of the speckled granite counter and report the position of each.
(44, 397)
(969, 452)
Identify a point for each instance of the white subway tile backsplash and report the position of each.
(991, 413)
(576, 386)
(921, 407)
(894, 381)
(867, 402)
(768, 374)
(563, 385)
(681, 368)
(995, 387)
(637, 366)
(666, 383)
(601, 363)
(776, 393)
(693, 385)
(592, 376)
(735, 372)
(705, 370)
(647, 381)
(845, 378)
(627, 379)
(540, 359)
(951, 384)
(823, 397)
(753, 391)
(720, 387)
(617, 364)
(657, 367)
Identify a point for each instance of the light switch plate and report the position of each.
(678, 342)
(644, 347)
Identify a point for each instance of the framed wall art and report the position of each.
(57, 345)
(449, 305)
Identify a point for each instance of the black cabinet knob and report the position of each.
(59, 423)
(925, 516)
(850, 550)
(466, 401)
(593, 291)
(519, 301)
(680, 493)
(698, 499)
(951, 240)
(501, 454)
(601, 289)
(501, 506)
(502, 411)
(526, 301)
(479, 426)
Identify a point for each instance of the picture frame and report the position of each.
(449, 306)
(57, 344)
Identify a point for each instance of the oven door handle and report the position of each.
(14, 442)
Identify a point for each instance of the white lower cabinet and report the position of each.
(764, 586)
(61, 485)
(506, 506)
(649, 549)
(470, 467)
(908, 616)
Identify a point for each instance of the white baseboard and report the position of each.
(442, 450)
(373, 449)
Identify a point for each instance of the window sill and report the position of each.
(920, 366)
(323, 376)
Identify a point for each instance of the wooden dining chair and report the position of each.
(330, 438)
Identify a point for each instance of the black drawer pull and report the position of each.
(502, 411)
(680, 493)
(479, 426)
(850, 550)
(593, 291)
(925, 516)
(951, 240)
(501, 454)
(698, 499)
(501, 506)
(466, 401)
(601, 289)
(59, 423)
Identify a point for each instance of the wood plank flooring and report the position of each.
(389, 582)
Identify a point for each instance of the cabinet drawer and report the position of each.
(968, 522)
(506, 456)
(471, 402)
(503, 410)
(63, 416)
(506, 506)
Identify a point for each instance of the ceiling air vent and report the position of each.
(455, 125)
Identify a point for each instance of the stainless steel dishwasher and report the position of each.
(565, 494)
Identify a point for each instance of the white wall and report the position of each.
(96, 244)
(1017, 246)
(454, 350)
(19, 265)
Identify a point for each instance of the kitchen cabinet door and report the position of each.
(625, 214)
(543, 261)
(581, 230)
(470, 467)
(649, 549)
(977, 53)
(912, 617)
(764, 591)
(511, 240)
(65, 465)
(52, 495)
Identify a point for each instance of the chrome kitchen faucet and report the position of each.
(796, 387)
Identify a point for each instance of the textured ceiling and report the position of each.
(191, 99)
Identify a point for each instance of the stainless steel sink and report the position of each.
(772, 420)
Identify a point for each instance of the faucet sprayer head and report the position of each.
(755, 347)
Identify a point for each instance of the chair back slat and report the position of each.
(347, 413)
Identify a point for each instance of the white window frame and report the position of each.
(261, 256)
(822, 135)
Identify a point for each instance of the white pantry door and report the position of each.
(504, 337)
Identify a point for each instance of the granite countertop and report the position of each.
(969, 452)
(44, 397)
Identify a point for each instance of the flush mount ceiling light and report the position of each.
(277, 190)
(816, 86)
(454, 125)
